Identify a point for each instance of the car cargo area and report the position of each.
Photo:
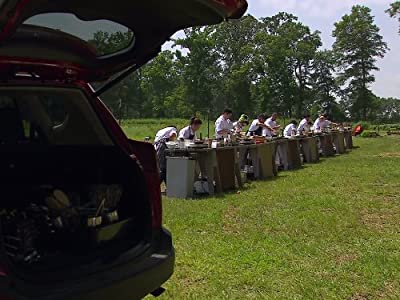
(68, 206)
(71, 201)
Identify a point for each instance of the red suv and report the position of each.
(81, 213)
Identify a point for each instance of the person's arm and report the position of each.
(182, 134)
(274, 127)
(271, 127)
(263, 125)
(301, 127)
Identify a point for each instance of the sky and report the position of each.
(322, 14)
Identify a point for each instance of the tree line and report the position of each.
(260, 65)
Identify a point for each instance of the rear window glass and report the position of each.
(105, 36)
(48, 118)
(55, 109)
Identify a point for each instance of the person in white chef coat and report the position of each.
(322, 123)
(257, 126)
(224, 125)
(189, 132)
(304, 124)
(272, 127)
(318, 123)
(162, 137)
(291, 129)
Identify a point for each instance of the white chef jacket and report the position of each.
(271, 123)
(326, 123)
(321, 125)
(317, 124)
(289, 129)
(253, 127)
(303, 125)
(186, 132)
(222, 124)
(165, 133)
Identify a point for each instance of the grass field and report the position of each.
(328, 231)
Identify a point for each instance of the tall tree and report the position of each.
(357, 47)
(235, 45)
(394, 10)
(289, 52)
(160, 84)
(200, 70)
(324, 85)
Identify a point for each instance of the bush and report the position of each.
(378, 128)
(369, 134)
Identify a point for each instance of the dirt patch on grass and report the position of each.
(232, 223)
(389, 198)
(346, 258)
(390, 290)
(378, 220)
(359, 297)
(389, 155)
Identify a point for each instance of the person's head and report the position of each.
(294, 122)
(274, 116)
(227, 113)
(173, 135)
(307, 117)
(244, 119)
(195, 123)
(261, 118)
(322, 118)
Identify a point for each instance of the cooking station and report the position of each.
(214, 167)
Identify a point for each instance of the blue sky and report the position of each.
(322, 14)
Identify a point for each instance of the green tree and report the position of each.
(389, 110)
(289, 49)
(394, 10)
(160, 83)
(357, 46)
(326, 91)
(235, 45)
(107, 43)
(124, 98)
(200, 70)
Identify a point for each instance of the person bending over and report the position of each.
(163, 136)
(304, 124)
(257, 126)
(189, 132)
(291, 129)
(271, 126)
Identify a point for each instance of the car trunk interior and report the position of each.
(70, 198)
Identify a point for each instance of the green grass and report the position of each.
(328, 231)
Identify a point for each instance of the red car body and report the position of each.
(137, 275)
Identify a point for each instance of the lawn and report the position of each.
(328, 231)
